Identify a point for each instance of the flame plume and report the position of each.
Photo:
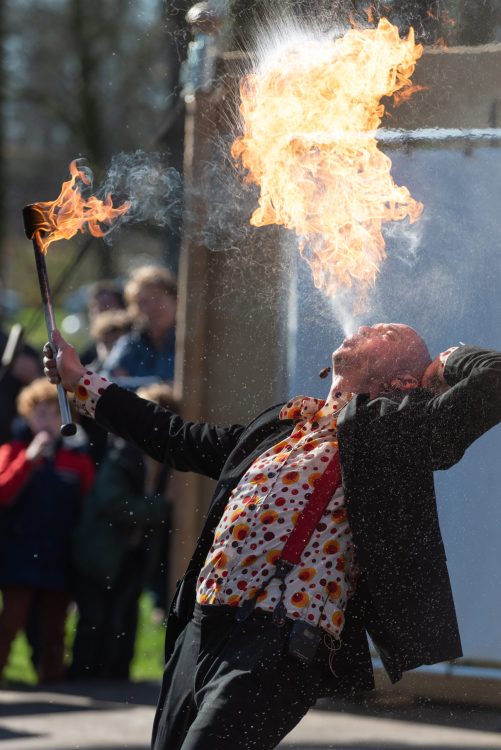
(309, 121)
(71, 212)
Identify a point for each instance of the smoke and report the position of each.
(343, 309)
(153, 189)
(225, 199)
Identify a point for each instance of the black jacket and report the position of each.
(389, 448)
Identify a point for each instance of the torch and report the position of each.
(34, 221)
(48, 221)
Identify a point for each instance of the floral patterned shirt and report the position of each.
(261, 513)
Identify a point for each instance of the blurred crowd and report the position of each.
(85, 521)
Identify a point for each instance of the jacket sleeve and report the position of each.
(470, 407)
(164, 435)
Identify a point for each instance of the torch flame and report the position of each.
(309, 122)
(71, 212)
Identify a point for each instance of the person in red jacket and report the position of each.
(42, 484)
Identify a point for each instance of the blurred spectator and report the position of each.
(151, 296)
(106, 294)
(42, 483)
(115, 547)
(106, 328)
(103, 296)
(24, 367)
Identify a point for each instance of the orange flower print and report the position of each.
(249, 499)
(219, 560)
(232, 601)
(310, 445)
(268, 516)
(241, 531)
(341, 563)
(313, 478)
(258, 478)
(337, 619)
(203, 598)
(272, 556)
(81, 393)
(300, 599)
(261, 596)
(295, 516)
(339, 515)
(248, 560)
(280, 447)
(334, 590)
(331, 546)
(306, 574)
(281, 457)
(290, 477)
(236, 514)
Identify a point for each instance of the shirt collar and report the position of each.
(310, 409)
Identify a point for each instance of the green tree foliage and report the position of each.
(83, 78)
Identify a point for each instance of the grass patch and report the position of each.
(148, 662)
(148, 657)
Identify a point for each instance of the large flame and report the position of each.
(309, 121)
(71, 212)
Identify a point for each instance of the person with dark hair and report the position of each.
(19, 372)
(323, 527)
(103, 296)
(106, 328)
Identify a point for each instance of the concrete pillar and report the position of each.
(232, 328)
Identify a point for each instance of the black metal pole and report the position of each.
(60, 283)
(33, 223)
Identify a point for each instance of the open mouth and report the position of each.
(351, 341)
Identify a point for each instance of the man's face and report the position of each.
(377, 353)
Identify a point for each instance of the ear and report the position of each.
(404, 382)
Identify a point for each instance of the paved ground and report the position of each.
(119, 717)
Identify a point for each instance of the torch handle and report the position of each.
(67, 426)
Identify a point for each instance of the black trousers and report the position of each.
(233, 685)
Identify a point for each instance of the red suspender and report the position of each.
(324, 488)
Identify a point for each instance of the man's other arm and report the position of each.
(470, 407)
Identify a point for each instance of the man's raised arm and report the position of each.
(162, 434)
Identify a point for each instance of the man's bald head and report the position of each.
(377, 354)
